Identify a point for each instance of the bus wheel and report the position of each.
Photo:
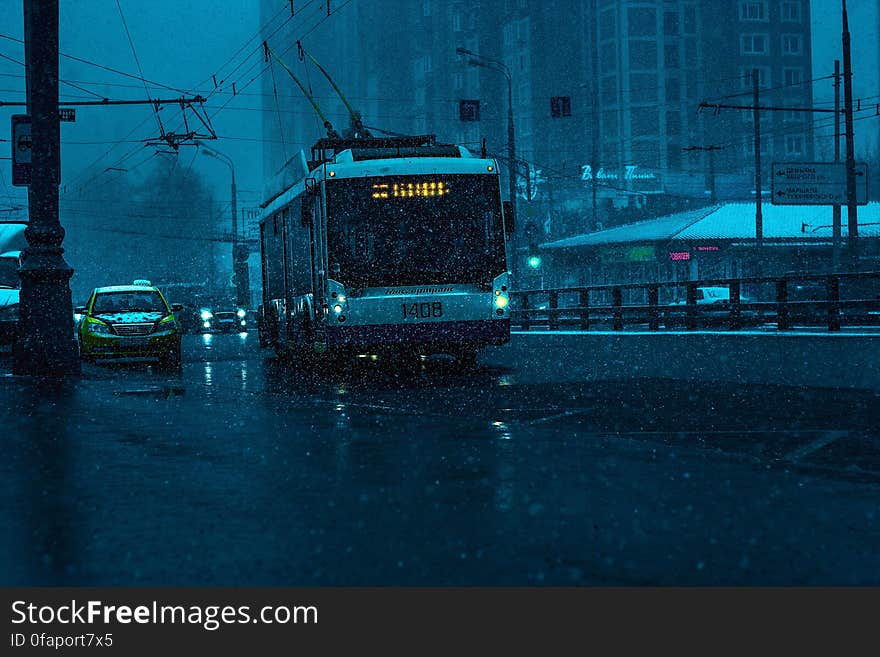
(467, 358)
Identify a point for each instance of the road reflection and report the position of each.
(41, 543)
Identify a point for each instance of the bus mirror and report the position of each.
(509, 219)
(310, 184)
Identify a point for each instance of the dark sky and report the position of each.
(179, 43)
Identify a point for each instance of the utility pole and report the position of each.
(852, 220)
(835, 211)
(594, 108)
(476, 59)
(756, 115)
(45, 343)
(239, 247)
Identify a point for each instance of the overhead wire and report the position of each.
(82, 60)
(137, 61)
(69, 84)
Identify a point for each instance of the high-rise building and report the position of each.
(605, 92)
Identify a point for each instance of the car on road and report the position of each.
(10, 289)
(12, 243)
(130, 321)
(224, 318)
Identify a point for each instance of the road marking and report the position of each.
(814, 445)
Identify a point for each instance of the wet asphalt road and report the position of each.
(243, 470)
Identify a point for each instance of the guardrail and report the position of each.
(847, 299)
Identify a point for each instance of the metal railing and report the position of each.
(809, 300)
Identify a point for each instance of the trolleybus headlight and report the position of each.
(341, 298)
(337, 308)
(206, 324)
(500, 301)
(241, 313)
(206, 315)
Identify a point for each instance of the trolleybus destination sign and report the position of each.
(815, 183)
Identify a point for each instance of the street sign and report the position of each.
(67, 114)
(21, 150)
(815, 183)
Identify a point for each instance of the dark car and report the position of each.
(224, 319)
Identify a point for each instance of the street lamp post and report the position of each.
(45, 342)
(239, 247)
(497, 65)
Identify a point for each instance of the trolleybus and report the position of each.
(380, 244)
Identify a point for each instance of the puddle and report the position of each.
(159, 392)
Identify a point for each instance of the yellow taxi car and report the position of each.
(129, 321)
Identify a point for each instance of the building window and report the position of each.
(456, 22)
(508, 35)
(792, 76)
(426, 7)
(607, 25)
(670, 23)
(690, 19)
(753, 44)
(791, 11)
(753, 10)
(792, 44)
(690, 53)
(673, 90)
(458, 80)
(794, 145)
(670, 56)
(763, 77)
(792, 117)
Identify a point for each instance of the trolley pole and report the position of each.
(45, 344)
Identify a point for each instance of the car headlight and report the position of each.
(206, 315)
(241, 313)
(167, 323)
(100, 328)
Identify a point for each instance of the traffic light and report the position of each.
(469, 110)
(535, 261)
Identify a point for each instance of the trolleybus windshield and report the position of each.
(413, 230)
(9, 272)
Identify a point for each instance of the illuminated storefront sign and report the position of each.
(678, 256)
(630, 172)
